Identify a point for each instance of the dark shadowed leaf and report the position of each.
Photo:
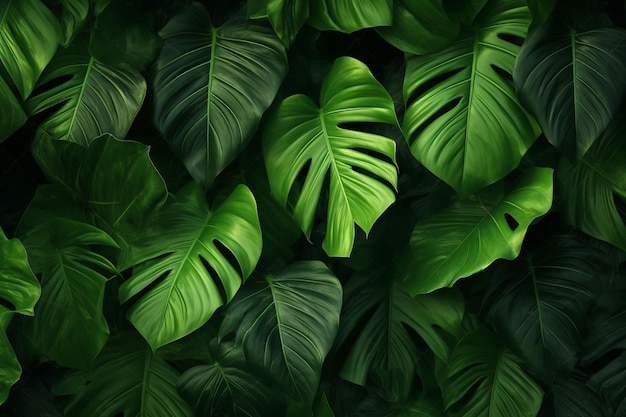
(572, 397)
(287, 17)
(349, 16)
(12, 117)
(464, 11)
(72, 17)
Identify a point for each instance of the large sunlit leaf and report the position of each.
(380, 322)
(462, 109)
(573, 82)
(90, 99)
(484, 379)
(593, 188)
(286, 323)
(319, 142)
(19, 291)
(127, 380)
(474, 232)
(349, 16)
(29, 36)
(12, 117)
(212, 85)
(195, 261)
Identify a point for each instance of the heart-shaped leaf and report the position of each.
(302, 138)
(286, 323)
(212, 85)
(461, 104)
(469, 236)
(349, 16)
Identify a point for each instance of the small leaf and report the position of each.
(349, 16)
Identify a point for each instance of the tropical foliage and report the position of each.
(323, 208)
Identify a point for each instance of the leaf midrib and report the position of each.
(210, 89)
(83, 87)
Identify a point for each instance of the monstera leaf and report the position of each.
(380, 322)
(420, 27)
(212, 85)
(12, 117)
(469, 236)
(127, 380)
(540, 308)
(485, 379)
(572, 81)
(287, 323)
(349, 16)
(19, 291)
(29, 36)
(593, 186)
(461, 104)
(195, 261)
(90, 98)
(302, 138)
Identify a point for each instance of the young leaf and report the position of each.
(361, 165)
(12, 117)
(573, 82)
(208, 104)
(349, 16)
(473, 233)
(461, 104)
(287, 17)
(90, 99)
(186, 276)
(287, 323)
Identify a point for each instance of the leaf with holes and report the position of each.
(349, 16)
(286, 323)
(212, 85)
(19, 291)
(127, 380)
(462, 109)
(195, 261)
(485, 379)
(12, 117)
(469, 236)
(380, 323)
(317, 141)
(88, 98)
(573, 82)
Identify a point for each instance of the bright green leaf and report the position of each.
(12, 117)
(72, 17)
(287, 323)
(208, 104)
(287, 17)
(484, 379)
(462, 109)
(186, 276)
(91, 99)
(469, 236)
(29, 36)
(301, 133)
(349, 16)
(573, 82)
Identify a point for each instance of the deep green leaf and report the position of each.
(573, 82)
(91, 98)
(469, 236)
(127, 380)
(12, 117)
(592, 188)
(208, 104)
(72, 17)
(485, 379)
(349, 16)
(361, 165)
(420, 27)
(29, 36)
(462, 109)
(186, 276)
(287, 17)
(464, 11)
(286, 323)
(572, 397)
(541, 11)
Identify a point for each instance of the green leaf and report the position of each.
(591, 189)
(208, 104)
(19, 291)
(382, 321)
(287, 17)
(69, 325)
(349, 16)
(29, 36)
(128, 380)
(572, 397)
(464, 11)
(420, 27)
(573, 82)
(12, 117)
(287, 323)
(462, 109)
(541, 11)
(90, 99)
(187, 276)
(72, 17)
(485, 379)
(474, 232)
(361, 165)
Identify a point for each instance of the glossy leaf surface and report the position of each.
(287, 17)
(349, 16)
(72, 17)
